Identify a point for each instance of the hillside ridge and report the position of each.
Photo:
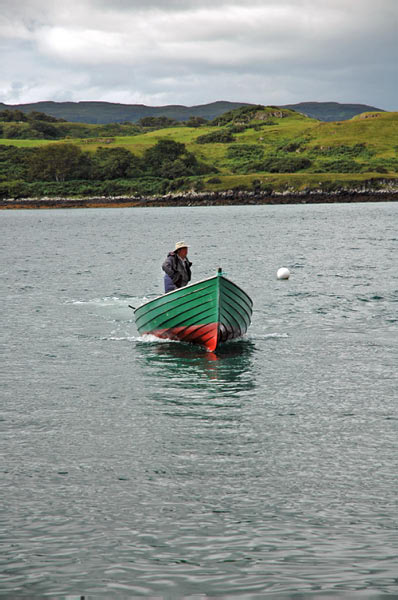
(97, 112)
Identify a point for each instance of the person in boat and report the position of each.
(177, 268)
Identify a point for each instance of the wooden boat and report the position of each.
(207, 312)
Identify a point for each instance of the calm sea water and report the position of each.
(132, 467)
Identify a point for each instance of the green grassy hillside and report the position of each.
(252, 147)
(378, 131)
(366, 141)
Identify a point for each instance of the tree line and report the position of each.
(15, 124)
(167, 161)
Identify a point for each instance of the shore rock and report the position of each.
(389, 193)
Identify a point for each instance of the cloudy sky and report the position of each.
(190, 52)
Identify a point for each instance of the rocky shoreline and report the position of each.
(223, 198)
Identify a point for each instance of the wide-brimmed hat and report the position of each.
(180, 245)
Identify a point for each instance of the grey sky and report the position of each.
(188, 52)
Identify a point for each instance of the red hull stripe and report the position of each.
(206, 335)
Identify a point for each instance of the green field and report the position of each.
(265, 150)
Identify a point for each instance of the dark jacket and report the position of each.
(179, 271)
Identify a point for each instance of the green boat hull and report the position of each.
(208, 312)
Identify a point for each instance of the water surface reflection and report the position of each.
(185, 372)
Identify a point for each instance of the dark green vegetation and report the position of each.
(248, 148)
(108, 112)
(59, 169)
(15, 124)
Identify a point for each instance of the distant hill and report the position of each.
(331, 111)
(108, 112)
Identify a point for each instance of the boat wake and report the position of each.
(267, 336)
(142, 339)
(151, 339)
(121, 301)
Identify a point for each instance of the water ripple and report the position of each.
(133, 466)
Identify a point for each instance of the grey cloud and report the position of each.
(188, 52)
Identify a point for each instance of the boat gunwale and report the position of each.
(217, 276)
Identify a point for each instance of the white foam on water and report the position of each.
(268, 335)
(146, 339)
(109, 301)
(149, 338)
(114, 338)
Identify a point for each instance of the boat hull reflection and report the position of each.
(189, 370)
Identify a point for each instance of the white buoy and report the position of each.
(283, 273)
